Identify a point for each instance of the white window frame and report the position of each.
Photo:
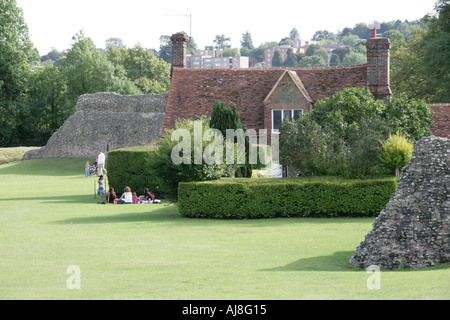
(277, 131)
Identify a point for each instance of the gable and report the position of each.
(288, 89)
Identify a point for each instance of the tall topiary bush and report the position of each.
(222, 119)
(396, 152)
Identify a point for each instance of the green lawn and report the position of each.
(49, 220)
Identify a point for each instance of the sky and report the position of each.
(53, 23)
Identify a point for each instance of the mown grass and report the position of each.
(50, 220)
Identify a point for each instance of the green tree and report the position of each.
(349, 40)
(231, 52)
(317, 50)
(321, 35)
(335, 60)
(361, 30)
(89, 71)
(291, 60)
(48, 106)
(286, 42)
(277, 61)
(437, 52)
(148, 73)
(221, 41)
(409, 74)
(312, 61)
(247, 41)
(17, 56)
(354, 58)
(342, 52)
(293, 34)
(54, 55)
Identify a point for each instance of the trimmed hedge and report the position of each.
(295, 197)
(128, 167)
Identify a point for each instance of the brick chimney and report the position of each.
(179, 50)
(378, 65)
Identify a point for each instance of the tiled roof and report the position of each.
(194, 92)
(441, 120)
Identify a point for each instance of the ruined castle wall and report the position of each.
(106, 121)
(414, 228)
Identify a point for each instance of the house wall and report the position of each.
(285, 97)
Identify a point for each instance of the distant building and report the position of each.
(300, 46)
(211, 58)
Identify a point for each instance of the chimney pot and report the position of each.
(374, 33)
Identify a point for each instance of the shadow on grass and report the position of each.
(81, 199)
(335, 262)
(163, 214)
(339, 261)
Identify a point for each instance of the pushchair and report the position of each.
(93, 170)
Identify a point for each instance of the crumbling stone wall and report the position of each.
(414, 228)
(106, 121)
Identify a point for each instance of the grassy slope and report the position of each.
(49, 220)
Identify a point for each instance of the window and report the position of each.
(278, 117)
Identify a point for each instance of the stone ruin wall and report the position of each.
(414, 228)
(106, 121)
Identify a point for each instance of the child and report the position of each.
(101, 189)
(134, 198)
(86, 169)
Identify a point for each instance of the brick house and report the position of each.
(265, 97)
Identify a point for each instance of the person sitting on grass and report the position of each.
(111, 194)
(126, 197)
(147, 197)
(101, 189)
(134, 198)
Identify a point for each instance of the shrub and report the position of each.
(341, 135)
(168, 173)
(294, 197)
(396, 152)
(128, 167)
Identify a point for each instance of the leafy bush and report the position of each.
(396, 152)
(168, 173)
(295, 197)
(342, 134)
(128, 167)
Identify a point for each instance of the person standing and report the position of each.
(101, 163)
(86, 169)
(101, 189)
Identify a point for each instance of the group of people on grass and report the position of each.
(127, 197)
(111, 196)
